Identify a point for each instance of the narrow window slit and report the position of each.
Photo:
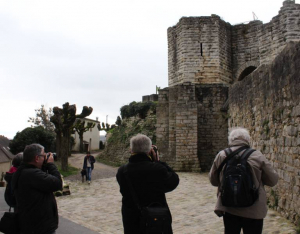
(201, 51)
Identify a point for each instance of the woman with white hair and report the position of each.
(149, 178)
(250, 218)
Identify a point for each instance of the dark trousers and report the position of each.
(233, 225)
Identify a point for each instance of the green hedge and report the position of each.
(137, 108)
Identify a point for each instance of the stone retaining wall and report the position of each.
(267, 102)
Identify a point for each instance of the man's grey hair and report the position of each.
(239, 134)
(31, 151)
(140, 144)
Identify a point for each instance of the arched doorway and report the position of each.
(246, 69)
(246, 72)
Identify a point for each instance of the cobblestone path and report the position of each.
(97, 207)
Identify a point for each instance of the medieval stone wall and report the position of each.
(212, 122)
(194, 48)
(190, 125)
(267, 102)
(257, 43)
(245, 46)
(206, 50)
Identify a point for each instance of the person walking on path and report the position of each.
(250, 218)
(33, 184)
(150, 179)
(88, 165)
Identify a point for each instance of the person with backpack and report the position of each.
(8, 194)
(240, 173)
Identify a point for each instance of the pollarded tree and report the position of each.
(105, 127)
(81, 128)
(63, 120)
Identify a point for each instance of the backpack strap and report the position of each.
(246, 154)
(229, 155)
(228, 151)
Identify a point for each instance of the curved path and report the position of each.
(100, 171)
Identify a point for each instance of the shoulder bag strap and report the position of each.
(228, 157)
(134, 196)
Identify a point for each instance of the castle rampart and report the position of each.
(267, 102)
(221, 76)
(206, 50)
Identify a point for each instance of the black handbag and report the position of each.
(9, 223)
(154, 218)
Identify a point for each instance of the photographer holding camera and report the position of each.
(33, 188)
(144, 181)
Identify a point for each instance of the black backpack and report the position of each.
(237, 187)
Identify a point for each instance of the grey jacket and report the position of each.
(263, 174)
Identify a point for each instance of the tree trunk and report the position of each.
(65, 149)
(81, 143)
(64, 153)
(69, 146)
(58, 145)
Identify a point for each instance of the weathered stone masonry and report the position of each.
(267, 102)
(221, 76)
(208, 51)
(190, 124)
(205, 50)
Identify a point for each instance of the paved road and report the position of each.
(65, 226)
(97, 207)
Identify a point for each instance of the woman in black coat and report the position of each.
(150, 179)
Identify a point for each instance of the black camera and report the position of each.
(54, 156)
(154, 158)
(155, 149)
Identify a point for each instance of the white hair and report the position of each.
(238, 134)
(140, 144)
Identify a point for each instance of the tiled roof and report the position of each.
(5, 154)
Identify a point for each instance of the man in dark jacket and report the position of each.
(88, 165)
(34, 189)
(150, 179)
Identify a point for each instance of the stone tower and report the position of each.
(199, 51)
(206, 56)
(207, 50)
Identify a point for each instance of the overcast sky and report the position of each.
(103, 54)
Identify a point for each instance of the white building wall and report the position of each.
(92, 136)
(4, 167)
